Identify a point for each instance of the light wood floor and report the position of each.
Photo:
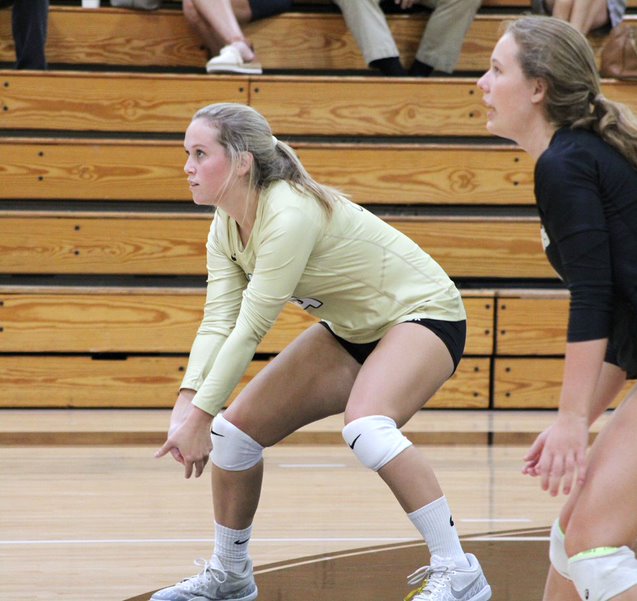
(109, 522)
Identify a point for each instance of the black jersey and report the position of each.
(586, 193)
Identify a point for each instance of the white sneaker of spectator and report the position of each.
(230, 60)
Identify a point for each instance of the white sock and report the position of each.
(435, 524)
(231, 547)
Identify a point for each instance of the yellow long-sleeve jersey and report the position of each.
(351, 269)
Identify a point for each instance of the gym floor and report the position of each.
(87, 513)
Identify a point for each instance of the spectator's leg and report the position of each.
(367, 22)
(30, 24)
(218, 24)
(207, 35)
(590, 15)
(584, 15)
(444, 35)
(560, 9)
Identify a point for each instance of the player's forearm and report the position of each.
(582, 369)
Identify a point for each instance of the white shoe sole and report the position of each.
(244, 69)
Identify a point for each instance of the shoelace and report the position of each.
(207, 574)
(433, 581)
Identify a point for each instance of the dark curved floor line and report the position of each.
(516, 571)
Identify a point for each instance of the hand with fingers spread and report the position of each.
(558, 455)
(188, 438)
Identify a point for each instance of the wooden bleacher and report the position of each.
(170, 244)
(292, 41)
(100, 243)
(113, 340)
(104, 169)
(295, 105)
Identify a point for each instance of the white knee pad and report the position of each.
(557, 552)
(603, 573)
(375, 440)
(232, 449)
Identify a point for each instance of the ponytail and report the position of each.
(291, 169)
(615, 124)
(242, 129)
(552, 50)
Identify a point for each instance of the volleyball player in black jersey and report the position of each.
(543, 91)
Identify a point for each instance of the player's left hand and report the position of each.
(532, 457)
(562, 454)
(190, 442)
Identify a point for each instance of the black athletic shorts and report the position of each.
(622, 342)
(452, 333)
(268, 8)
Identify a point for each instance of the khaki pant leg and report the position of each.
(368, 25)
(445, 32)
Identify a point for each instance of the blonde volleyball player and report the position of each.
(543, 92)
(392, 332)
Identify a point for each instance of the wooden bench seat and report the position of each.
(294, 105)
(291, 41)
(97, 321)
(122, 347)
(110, 102)
(120, 321)
(173, 244)
(152, 382)
(365, 106)
(390, 173)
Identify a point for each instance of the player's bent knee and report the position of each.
(557, 552)
(233, 449)
(375, 440)
(603, 573)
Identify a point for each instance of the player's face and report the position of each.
(207, 167)
(508, 94)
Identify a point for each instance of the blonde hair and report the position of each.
(242, 129)
(552, 50)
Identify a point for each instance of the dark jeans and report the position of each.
(30, 23)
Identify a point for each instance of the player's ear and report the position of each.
(539, 90)
(245, 163)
